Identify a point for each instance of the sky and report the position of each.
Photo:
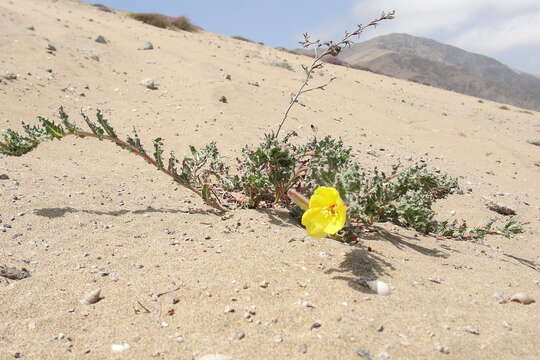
(507, 30)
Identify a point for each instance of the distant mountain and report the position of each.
(432, 63)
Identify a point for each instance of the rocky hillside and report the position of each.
(432, 63)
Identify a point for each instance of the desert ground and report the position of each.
(179, 281)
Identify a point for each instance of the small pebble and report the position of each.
(92, 297)
(175, 300)
(239, 335)
(303, 348)
(278, 339)
(138, 266)
(264, 284)
(148, 46)
(442, 349)
(149, 84)
(117, 348)
(522, 298)
(472, 330)
(363, 354)
(100, 39)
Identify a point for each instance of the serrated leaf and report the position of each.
(172, 164)
(158, 152)
(53, 130)
(71, 128)
(105, 125)
(96, 130)
(135, 141)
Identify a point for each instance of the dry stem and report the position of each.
(332, 49)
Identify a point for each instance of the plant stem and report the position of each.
(134, 150)
(332, 49)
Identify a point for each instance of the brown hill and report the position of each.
(444, 66)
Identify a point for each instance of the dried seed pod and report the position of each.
(92, 297)
(522, 298)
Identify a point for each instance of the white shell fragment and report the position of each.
(522, 298)
(381, 288)
(92, 297)
(116, 348)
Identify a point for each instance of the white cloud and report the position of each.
(507, 34)
(491, 27)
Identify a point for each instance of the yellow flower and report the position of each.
(327, 213)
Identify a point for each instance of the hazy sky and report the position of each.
(508, 30)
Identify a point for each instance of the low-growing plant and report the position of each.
(242, 38)
(166, 22)
(154, 19)
(183, 23)
(103, 8)
(284, 64)
(282, 172)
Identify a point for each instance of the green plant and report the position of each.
(266, 173)
(193, 173)
(283, 64)
(166, 22)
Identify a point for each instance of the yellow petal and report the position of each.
(336, 222)
(323, 197)
(315, 221)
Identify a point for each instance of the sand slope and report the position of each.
(78, 209)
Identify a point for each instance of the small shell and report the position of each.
(381, 288)
(92, 297)
(522, 298)
(116, 348)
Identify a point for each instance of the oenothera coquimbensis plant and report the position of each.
(345, 197)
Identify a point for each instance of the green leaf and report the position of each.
(95, 128)
(135, 141)
(105, 125)
(71, 128)
(172, 164)
(158, 152)
(205, 192)
(16, 145)
(53, 130)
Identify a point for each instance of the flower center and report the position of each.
(332, 210)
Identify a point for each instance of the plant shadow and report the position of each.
(403, 241)
(280, 217)
(53, 213)
(362, 263)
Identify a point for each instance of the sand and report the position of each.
(251, 285)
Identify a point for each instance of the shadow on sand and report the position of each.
(52, 213)
(363, 263)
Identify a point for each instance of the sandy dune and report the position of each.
(75, 210)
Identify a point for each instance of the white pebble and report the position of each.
(116, 348)
(381, 288)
